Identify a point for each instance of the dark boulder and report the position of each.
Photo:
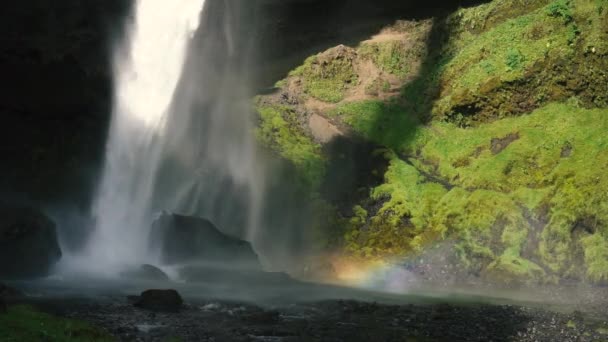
(185, 239)
(28, 243)
(8, 293)
(159, 300)
(146, 272)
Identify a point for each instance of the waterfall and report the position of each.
(180, 137)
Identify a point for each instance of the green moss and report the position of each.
(514, 60)
(386, 86)
(410, 195)
(359, 216)
(23, 323)
(596, 257)
(494, 68)
(279, 129)
(393, 57)
(328, 76)
(592, 23)
(506, 44)
(553, 158)
(512, 268)
(560, 9)
(512, 191)
(474, 20)
(281, 83)
(388, 124)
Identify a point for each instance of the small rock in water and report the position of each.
(159, 300)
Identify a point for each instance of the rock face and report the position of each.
(159, 300)
(28, 243)
(60, 81)
(184, 239)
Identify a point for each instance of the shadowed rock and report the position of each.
(184, 239)
(28, 243)
(159, 300)
(8, 293)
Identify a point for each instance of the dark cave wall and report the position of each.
(56, 94)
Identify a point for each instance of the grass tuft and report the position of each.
(24, 323)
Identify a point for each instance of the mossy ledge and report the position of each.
(492, 122)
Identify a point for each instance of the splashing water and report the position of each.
(147, 70)
(175, 143)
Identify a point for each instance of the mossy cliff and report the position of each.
(486, 128)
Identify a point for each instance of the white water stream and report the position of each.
(164, 150)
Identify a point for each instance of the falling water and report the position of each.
(176, 142)
(147, 70)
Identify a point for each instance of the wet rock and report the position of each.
(146, 272)
(318, 269)
(185, 239)
(566, 150)
(262, 317)
(133, 299)
(499, 144)
(29, 237)
(8, 293)
(322, 129)
(159, 300)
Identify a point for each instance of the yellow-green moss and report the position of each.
(23, 323)
(278, 128)
(411, 195)
(596, 257)
(512, 190)
(385, 123)
(393, 57)
(555, 157)
(328, 76)
(505, 52)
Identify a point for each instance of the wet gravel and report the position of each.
(343, 321)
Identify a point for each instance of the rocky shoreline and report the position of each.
(342, 321)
